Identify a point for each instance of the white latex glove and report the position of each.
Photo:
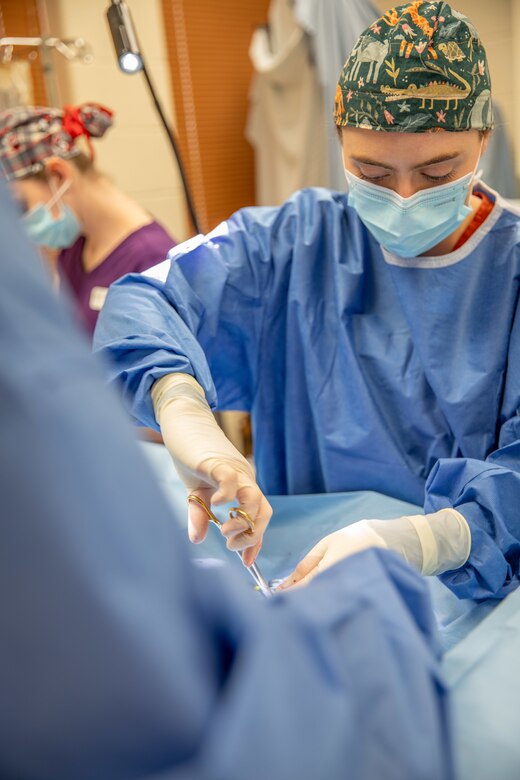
(208, 464)
(431, 544)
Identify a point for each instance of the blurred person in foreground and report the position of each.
(122, 660)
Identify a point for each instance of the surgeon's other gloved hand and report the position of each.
(431, 544)
(208, 464)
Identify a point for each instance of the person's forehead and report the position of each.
(410, 146)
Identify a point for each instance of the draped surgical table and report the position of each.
(481, 641)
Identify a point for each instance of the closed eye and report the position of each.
(373, 178)
(439, 179)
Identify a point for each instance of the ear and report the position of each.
(59, 170)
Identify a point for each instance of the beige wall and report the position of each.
(496, 21)
(134, 153)
(493, 21)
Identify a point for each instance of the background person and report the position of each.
(69, 206)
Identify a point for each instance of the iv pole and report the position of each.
(70, 48)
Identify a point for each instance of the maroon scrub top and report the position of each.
(142, 249)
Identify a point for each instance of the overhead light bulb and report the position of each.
(130, 62)
(124, 37)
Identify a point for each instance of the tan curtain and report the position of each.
(286, 124)
(211, 73)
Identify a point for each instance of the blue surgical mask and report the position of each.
(410, 226)
(45, 230)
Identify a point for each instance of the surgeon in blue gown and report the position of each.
(373, 335)
(120, 659)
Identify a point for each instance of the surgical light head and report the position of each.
(130, 62)
(125, 40)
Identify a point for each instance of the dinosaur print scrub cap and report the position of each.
(419, 68)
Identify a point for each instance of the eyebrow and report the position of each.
(433, 161)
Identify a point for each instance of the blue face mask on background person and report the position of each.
(410, 226)
(45, 230)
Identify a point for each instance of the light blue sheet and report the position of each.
(481, 641)
(483, 673)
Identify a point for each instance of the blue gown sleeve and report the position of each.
(121, 659)
(487, 494)
(201, 313)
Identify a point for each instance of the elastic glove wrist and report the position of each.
(432, 543)
(445, 539)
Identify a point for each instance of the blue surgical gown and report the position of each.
(120, 660)
(362, 371)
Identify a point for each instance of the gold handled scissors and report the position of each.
(235, 512)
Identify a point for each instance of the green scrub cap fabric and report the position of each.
(419, 68)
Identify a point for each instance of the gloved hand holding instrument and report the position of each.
(234, 513)
(212, 469)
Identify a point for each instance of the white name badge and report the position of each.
(97, 298)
